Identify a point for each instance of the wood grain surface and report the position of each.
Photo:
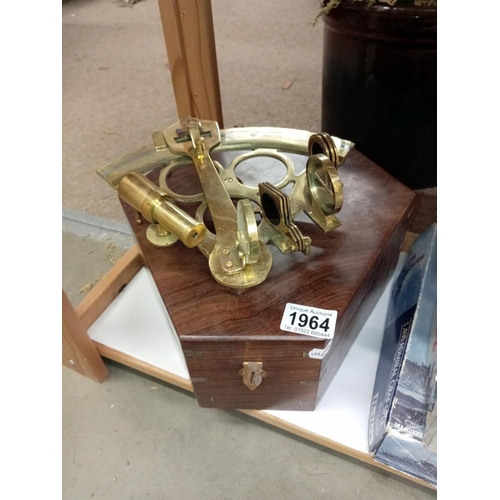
(347, 271)
(189, 38)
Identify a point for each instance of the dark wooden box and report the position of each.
(347, 271)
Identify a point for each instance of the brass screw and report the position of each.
(138, 219)
(225, 251)
(229, 264)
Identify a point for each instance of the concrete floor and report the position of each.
(133, 437)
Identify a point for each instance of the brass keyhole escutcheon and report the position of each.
(252, 374)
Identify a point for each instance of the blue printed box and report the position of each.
(405, 389)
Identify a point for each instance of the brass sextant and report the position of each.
(237, 252)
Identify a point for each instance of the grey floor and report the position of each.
(133, 437)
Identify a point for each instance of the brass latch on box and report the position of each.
(238, 256)
(252, 374)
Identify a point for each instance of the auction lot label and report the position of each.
(310, 321)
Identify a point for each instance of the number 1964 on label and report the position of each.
(309, 321)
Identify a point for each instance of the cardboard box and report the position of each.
(404, 402)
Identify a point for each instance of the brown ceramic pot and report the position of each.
(379, 86)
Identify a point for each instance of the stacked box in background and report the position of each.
(403, 418)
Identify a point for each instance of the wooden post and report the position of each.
(189, 37)
(79, 352)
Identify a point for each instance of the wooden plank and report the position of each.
(142, 366)
(79, 352)
(190, 41)
(112, 283)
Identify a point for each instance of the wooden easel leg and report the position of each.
(79, 352)
(189, 37)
